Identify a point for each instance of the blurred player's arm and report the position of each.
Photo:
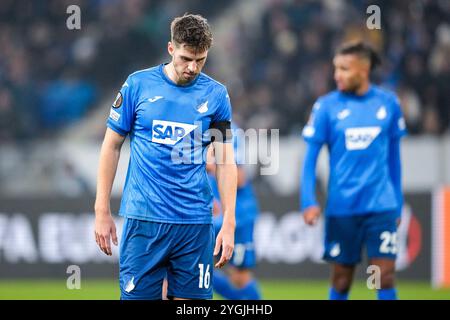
(241, 177)
(395, 171)
(310, 207)
(226, 175)
(105, 228)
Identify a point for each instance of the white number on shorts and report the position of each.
(389, 244)
(205, 276)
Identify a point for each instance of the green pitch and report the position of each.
(276, 290)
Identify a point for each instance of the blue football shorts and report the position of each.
(151, 251)
(345, 237)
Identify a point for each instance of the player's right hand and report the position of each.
(225, 243)
(311, 215)
(105, 228)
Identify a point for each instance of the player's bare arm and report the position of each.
(105, 229)
(226, 174)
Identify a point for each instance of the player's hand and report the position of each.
(105, 229)
(225, 240)
(311, 215)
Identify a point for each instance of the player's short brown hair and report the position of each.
(192, 30)
(361, 49)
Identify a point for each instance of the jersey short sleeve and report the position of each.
(223, 111)
(316, 129)
(121, 115)
(398, 126)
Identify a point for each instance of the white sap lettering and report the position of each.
(360, 138)
(168, 132)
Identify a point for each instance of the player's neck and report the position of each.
(363, 88)
(169, 70)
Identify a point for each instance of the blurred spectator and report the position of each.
(65, 100)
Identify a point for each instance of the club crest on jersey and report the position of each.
(203, 107)
(360, 138)
(335, 250)
(382, 113)
(168, 132)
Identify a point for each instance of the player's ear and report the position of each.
(365, 66)
(170, 48)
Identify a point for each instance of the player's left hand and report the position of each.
(224, 240)
(105, 229)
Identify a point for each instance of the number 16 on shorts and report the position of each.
(204, 276)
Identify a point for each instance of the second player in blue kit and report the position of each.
(238, 282)
(361, 124)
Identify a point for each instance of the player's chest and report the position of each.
(354, 114)
(172, 113)
(358, 124)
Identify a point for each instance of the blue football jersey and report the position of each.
(246, 203)
(357, 131)
(167, 123)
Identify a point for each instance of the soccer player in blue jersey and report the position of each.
(237, 282)
(168, 111)
(361, 124)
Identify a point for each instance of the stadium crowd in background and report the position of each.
(286, 66)
(51, 77)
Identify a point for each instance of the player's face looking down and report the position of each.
(187, 62)
(351, 73)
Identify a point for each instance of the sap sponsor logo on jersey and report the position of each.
(360, 138)
(168, 132)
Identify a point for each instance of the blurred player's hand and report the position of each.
(105, 229)
(225, 240)
(311, 215)
(216, 208)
